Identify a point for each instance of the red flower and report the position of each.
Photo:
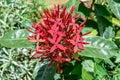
(57, 35)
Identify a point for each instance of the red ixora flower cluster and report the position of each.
(57, 35)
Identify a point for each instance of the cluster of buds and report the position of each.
(57, 35)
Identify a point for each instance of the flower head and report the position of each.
(57, 35)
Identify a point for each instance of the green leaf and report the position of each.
(115, 7)
(71, 3)
(99, 47)
(101, 10)
(76, 70)
(118, 34)
(100, 1)
(102, 24)
(113, 20)
(57, 76)
(100, 70)
(16, 39)
(117, 59)
(26, 24)
(86, 75)
(93, 32)
(88, 65)
(108, 61)
(83, 9)
(44, 71)
(109, 33)
(86, 29)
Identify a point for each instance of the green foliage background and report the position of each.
(99, 61)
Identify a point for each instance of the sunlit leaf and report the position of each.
(88, 65)
(99, 47)
(16, 39)
(86, 75)
(109, 33)
(115, 7)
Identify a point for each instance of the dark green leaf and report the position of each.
(101, 10)
(83, 9)
(91, 23)
(44, 71)
(77, 70)
(16, 39)
(115, 7)
(99, 47)
(117, 41)
(113, 20)
(102, 24)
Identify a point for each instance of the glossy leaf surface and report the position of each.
(44, 71)
(99, 47)
(115, 7)
(16, 39)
